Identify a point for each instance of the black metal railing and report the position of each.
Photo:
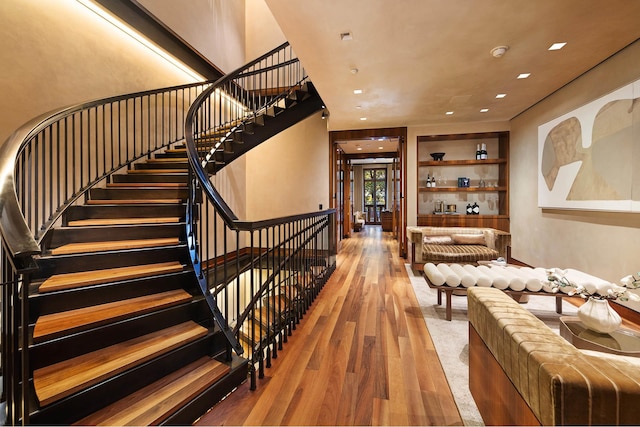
(51, 162)
(48, 165)
(263, 275)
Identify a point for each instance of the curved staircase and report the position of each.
(123, 299)
(116, 320)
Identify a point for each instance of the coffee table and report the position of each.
(623, 341)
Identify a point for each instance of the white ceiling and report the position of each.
(418, 59)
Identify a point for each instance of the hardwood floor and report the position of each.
(362, 355)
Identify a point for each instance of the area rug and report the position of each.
(451, 338)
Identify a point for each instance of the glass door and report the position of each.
(375, 193)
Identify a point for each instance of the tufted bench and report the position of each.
(515, 281)
(523, 373)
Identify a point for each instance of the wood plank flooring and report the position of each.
(362, 355)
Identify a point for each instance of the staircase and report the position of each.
(119, 333)
(107, 314)
(225, 143)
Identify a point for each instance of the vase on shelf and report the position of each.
(597, 315)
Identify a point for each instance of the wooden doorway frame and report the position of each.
(340, 165)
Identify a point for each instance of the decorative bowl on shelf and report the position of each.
(437, 156)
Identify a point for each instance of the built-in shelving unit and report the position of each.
(488, 180)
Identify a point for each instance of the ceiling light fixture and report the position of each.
(523, 75)
(557, 46)
(501, 95)
(380, 148)
(346, 36)
(448, 113)
(484, 110)
(363, 118)
(499, 51)
(357, 91)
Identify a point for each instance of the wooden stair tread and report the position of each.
(84, 247)
(147, 185)
(121, 221)
(86, 278)
(157, 171)
(82, 317)
(133, 201)
(154, 403)
(54, 382)
(168, 160)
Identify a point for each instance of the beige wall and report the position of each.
(215, 28)
(57, 53)
(602, 243)
(262, 30)
(288, 174)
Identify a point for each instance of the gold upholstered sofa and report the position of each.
(523, 373)
(455, 244)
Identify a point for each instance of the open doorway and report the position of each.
(368, 177)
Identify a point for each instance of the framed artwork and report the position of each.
(589, 158)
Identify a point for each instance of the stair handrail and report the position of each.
(277, 249)
(47, 165)
(21, 237)
(192, 124)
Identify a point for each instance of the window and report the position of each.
(375, 193)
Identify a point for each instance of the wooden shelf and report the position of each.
(500, 222)
(462, 162)
(460, 150)
(430, 216)
(461, 189)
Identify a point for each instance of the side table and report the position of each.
(622, 341)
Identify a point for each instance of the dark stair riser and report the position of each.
(41, 304)
(102, 394)
(60, 264)
(179, 164)
(172, 155)
(138, 193)
(151, 177)
(75, 344)
(62, 236)
(124, 211)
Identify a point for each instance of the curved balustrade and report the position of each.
(49, 164)
(51, 161)
(262, 275)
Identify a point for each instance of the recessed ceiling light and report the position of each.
(357, 91)
(523, 75)
(501, 95)
(448, 113)
(346, 36)
(363, 118)
(557, 46)
(484, 110)
(358, 107)
(380, 148)
(359, 148)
